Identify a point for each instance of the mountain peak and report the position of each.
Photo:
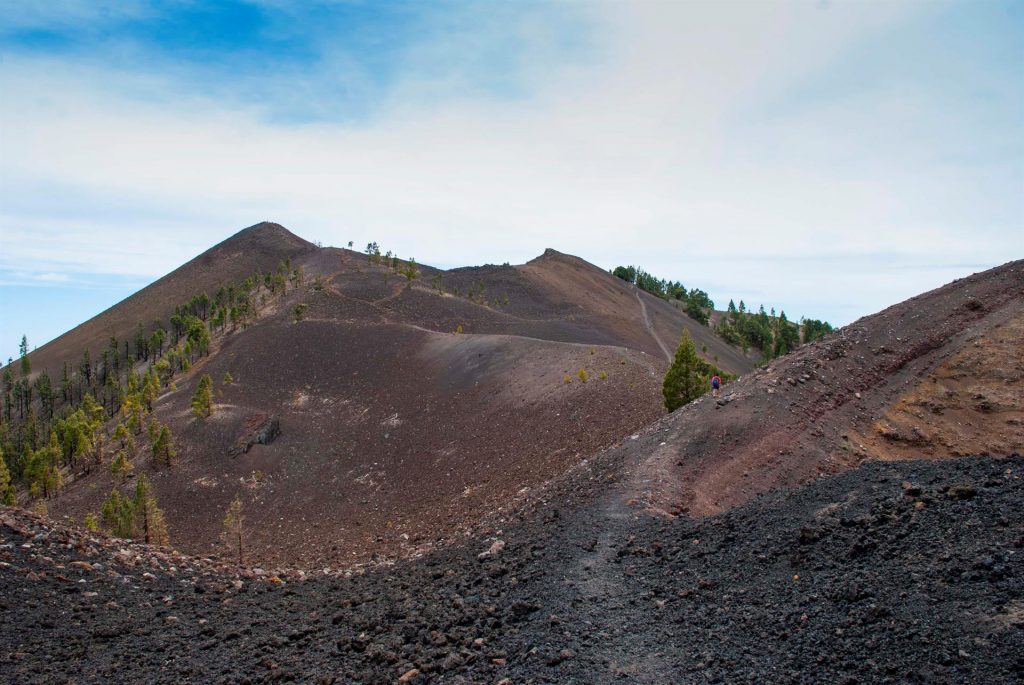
(268, 232)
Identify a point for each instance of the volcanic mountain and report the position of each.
(407, 410)
(259, 248)
(849, 513)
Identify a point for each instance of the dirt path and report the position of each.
(603, 595)
(650, 328)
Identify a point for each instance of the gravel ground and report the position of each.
(893, 572)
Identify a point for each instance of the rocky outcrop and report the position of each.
(260, 431)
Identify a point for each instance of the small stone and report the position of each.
(493, 551)
(962, 492)
(910, 490)
(408, 675)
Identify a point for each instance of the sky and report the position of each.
(825, 158)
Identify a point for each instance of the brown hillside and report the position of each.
(257, 248)
(391, 435)
(937, 376)
(640, 319)
(394, 431)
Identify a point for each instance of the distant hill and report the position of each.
(395, 431)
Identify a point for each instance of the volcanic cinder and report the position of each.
(465, 509)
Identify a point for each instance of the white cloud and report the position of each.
(654, 153)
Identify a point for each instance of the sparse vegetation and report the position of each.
(136, 517)
(202, 400)
(91, 523)
(233, 528)
(774, 336)
(162, 444)
(697, 303)
(410, 271)
(814, 329)
(120, 467)
(227, 380)
(602, 375)
(299, 312)
(582, 374)
(6, 491)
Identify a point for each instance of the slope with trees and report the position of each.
(773, 335)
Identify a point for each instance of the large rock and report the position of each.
(262, 432)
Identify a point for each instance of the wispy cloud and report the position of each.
(689, 138)
(20, 278)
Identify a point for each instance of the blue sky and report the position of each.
(828, 158)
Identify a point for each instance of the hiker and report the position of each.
(716, 383)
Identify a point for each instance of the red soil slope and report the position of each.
(940, 375)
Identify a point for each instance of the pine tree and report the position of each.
(120, 467)
(227, 380)
(85, 369)
(233, 527)
(42, 469)
(202, 400)
(118, 515)
(149, 520)
(686, 379)
(150, 389)
(6, 491)
(163, 447)
(26, 365)
(8, 394)
(153, 431)
(124, 436)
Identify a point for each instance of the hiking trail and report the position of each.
(650, 328)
